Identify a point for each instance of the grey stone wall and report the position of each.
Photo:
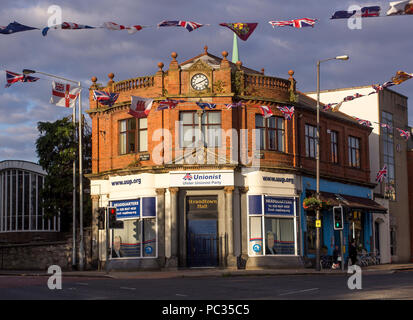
(41, 255)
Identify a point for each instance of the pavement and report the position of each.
(206, 272)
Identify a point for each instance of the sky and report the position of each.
(382, 47)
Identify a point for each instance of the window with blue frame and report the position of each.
(271, 225)
(138, 238)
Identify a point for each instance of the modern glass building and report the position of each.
(20, 201)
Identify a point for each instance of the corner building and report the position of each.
(216, 187)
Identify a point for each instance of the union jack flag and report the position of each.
(188, 25)
(266, 111)
(12, 77)
(204, 105)
(328, 106)
(381, 87)
(381, 174)
(188, 177)
(373, 11)
(287, 112)
(404, 134)
(66, 25)
(385, 125)
(234, 105)
(296, 23)
(168, 104)
(105, 98)
(363, 122)
(115, 26)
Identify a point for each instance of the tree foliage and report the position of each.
(57, 148)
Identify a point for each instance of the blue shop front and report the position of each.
(358, 208)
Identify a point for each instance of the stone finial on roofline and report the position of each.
(206, 49)
(174, 64)
(111, 82)
(239, 65)
(160, 66)
(94, 79)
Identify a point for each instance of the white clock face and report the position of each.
(199, 82)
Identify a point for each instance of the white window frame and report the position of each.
(140, 217)
(263, 215)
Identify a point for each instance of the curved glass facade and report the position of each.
(20, 201)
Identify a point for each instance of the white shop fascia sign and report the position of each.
(201, 178)
(126, 183)
(267, 179)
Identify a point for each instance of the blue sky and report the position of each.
(377, 51)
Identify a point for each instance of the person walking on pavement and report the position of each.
(352, 252)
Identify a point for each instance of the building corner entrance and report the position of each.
(202, 231)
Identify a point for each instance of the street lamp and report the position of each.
(344, 57)
(81, 247)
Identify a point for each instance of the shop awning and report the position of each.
(352, 202)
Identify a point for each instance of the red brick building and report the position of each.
(232, 197)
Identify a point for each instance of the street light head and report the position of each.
(342, 57)
(28, 71)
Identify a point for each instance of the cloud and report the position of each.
(376, 51)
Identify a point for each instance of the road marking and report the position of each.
(127, 288)
(299, 291)
(181, 295)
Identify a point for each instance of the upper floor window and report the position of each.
(354, 152)
(210, 126)
(133, 135)
(334, 146)
(271, 133)
(388, 153)
(310, 141)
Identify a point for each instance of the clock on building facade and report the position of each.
(199, 82)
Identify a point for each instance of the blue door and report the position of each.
(202, 243)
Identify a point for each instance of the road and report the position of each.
(390, 285)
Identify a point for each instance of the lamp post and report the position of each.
(345, 57)
(81, 246)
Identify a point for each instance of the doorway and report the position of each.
(202, 231)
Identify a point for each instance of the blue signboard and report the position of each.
(279, 206)
(127, 209)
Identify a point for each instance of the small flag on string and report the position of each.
(363, 122)
(188, 25)
(296, 23)
(266, 111)
(328, 106)
(64, 95)
(401, 77)
(115, 26)
(12, 77)
(287, 112)
(242, 30)
(105, 98)
(168, 104)
(140, 107)
(66, 26)
(233, 105)
(384, 125)
(381, 174)
(373, 11)
(378, 88)
(400, 7)
(204, 105)
(404, 134)
(15, 27)
(343, 14)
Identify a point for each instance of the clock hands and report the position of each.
(203, 80)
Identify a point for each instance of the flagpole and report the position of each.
(74, 195)
(81, 247)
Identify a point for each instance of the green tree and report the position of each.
(57, 148)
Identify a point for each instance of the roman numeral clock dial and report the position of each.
(199, 82)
